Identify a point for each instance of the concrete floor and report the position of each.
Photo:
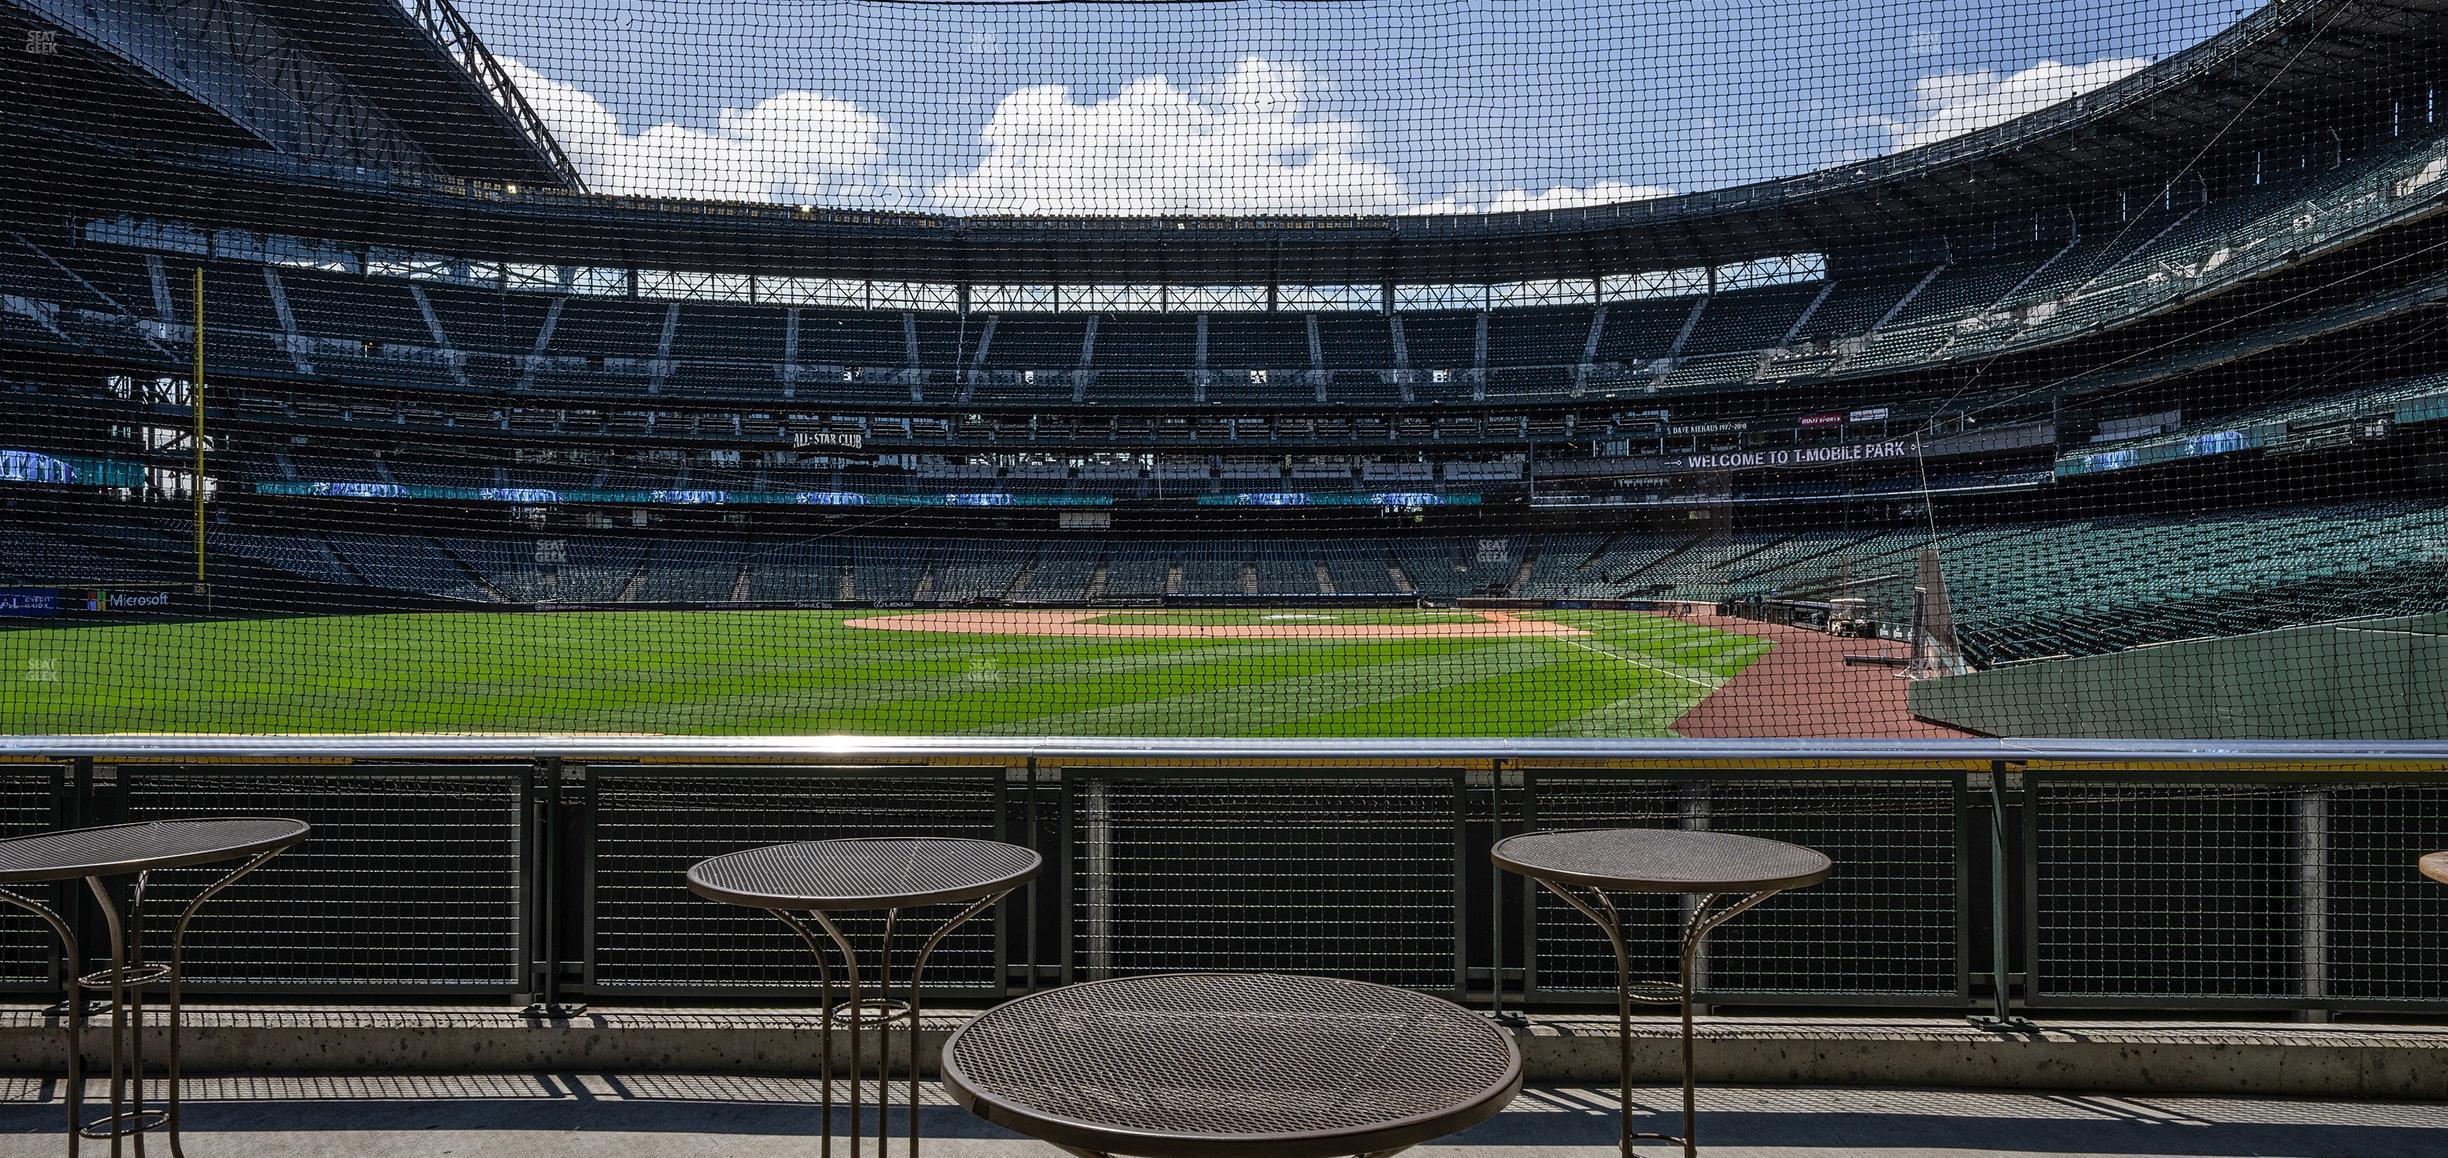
(685, 1116)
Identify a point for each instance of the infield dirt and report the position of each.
(1488, 625)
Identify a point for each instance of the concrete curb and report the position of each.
(2376, 1061)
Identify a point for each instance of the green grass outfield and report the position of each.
(762, 672)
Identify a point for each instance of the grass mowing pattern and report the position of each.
(780, 672)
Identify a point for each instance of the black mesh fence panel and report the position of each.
(2375, 911)
(1341, 874)
(30, 802)
(2269, 892)
(649, 934)
(2252, 888)
(2166, 890)
(1886, 926)
(410, 880)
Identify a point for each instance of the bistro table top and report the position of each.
(864, 873)
(121, 849)
(1231, 1065)
(1662, 860)
(2435, 866)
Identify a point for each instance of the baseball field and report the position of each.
(1234, 672)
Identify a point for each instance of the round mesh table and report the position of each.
(807, 885)
(1723, 872)
(97, 856)
(1212, 1065)
(2435, 866)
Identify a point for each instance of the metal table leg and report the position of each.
(72, 1011)
(882, 1010)
(1705, 917)
(125, 981)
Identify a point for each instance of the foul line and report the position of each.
(1638, 663)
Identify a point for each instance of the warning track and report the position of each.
(1487, 625)
(1804, 689)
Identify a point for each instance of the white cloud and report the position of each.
(793, 147)
(1246, 142)
(1554, 197)
(1951, 104)
(1249, 141)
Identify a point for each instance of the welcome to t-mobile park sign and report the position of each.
(1796, 456)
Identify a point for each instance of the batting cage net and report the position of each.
(1391, 368)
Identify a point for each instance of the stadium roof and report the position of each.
(2293, 71)
(464, 111)
(121, 86)
(365, 83)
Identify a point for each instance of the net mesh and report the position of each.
(1391, 368)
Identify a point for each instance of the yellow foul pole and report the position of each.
(195, 398)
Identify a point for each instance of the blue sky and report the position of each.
(1364, 106)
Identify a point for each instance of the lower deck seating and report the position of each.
(1136, 570)
(888, 571)
(596, 570)
(2020, 589)
(40, 558)
(405, 563)
(692, 570)
(1213, 568)
(2084, 586)
(794, 571)
(1288, 570)
(1358, 567)
(1559, 570)
(981, 570)
(306, 556)
(1062, 573)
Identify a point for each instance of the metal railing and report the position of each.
(1990, 876)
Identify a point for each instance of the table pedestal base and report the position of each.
(1706, 915)
(870, 1003)
(121, 991)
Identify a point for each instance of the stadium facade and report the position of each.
(2146, 390)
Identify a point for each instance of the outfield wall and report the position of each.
(2377, 679)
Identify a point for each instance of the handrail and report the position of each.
(851, 749)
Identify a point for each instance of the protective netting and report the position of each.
(1398, 368)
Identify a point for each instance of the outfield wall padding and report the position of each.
(2381, 679)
